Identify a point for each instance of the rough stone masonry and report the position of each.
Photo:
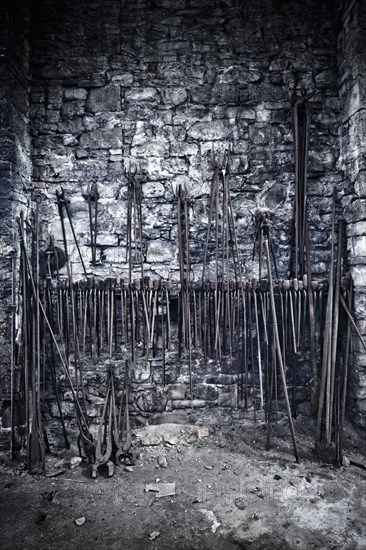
(94, 89)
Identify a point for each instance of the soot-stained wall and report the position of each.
(352, 131)
(15, 163)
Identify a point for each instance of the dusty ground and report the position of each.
(229, 493)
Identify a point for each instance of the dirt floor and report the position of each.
(223, 491)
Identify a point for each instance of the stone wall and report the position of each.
(157, 86)
(352, 163)
(15, 163)
(161, 87)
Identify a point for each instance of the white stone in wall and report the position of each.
(358, 245)
(141, 94)
(81, 153)
(211, 130)
(263, 114)
(114, 152)
(106, 192)
(117, 209)
(153, 189)
(355, 229)
(124, 79)
(247, 113)
(107, 239)
(358, 274)
(160, 251)
(69, 139)
(184, 149)
(174, 96)
(154, 147)
(174, 166)
(75, 94)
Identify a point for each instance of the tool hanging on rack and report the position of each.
(185, 315)
(278, 350)
(300, 110)
(263, 227)
(301, 115)
(70, 296)
(93, 198)
(36, 436)
(222, 218)
(134, 254)
(63, 204)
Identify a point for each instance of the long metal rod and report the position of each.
(278, 349)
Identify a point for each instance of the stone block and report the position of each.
(210, 130)
(174, 96)
(361, 406)
(75, 94)
(177, 391)
(356, 229)
(160, 251)
(81, 153)
(102, 139)
(207, 392)
(151, 401)
(359, 360)
(141, 373)
(358, 245)
(171, 374)
(157, 374)
(153, 189)
(153, 148)
(104, 99)
(142, 94)
(227, 396)
(359, 275)
(69, 139)
(222, 94)
(321, 160)
(125, 80)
